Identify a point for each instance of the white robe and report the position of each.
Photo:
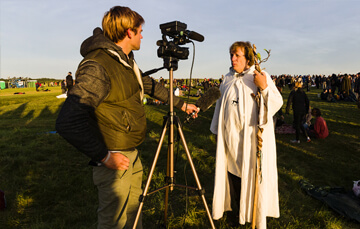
(271, 102)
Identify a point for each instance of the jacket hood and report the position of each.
(98, 41)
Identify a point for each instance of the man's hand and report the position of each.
(260, 80)
(190, 108)
(116, 161)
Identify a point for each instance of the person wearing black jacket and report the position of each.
(334, 82)
(300, 105)
(206, 84)
(69, 81)
(104, 117)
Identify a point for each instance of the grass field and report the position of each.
(48, 183)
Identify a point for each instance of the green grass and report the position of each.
(48, 183)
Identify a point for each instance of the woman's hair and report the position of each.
(298, 84)
(118, 20)
(316, 112)
(246, 48)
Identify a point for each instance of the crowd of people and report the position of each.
(335, 87)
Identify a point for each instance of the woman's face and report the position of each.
(238, 61)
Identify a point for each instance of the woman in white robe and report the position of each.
(235, 124)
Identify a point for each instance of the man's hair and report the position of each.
(246, 48)
(118, 20)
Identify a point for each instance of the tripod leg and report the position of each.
(195, 175)
(147, 186)
(167, 190)
(170, 166)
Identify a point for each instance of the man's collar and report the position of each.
(236, 74)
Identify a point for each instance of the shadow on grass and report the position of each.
(40, 171)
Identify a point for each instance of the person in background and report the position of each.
(69, 81)
(357, 88)
(319, 129)
(308, 82)
(300, 105)
(333, 83)
(199, 93)
(162, 81)
(37, 85)
(235, 122)
(104, 116)
(63, 86)
(206, 85)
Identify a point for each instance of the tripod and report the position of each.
(171, 64)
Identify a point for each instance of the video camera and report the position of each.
(170, 51)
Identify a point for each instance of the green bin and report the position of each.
(2, 85)
(31, 83)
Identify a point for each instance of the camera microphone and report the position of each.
(194, 36)
(206, 101)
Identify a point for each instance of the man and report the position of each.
(206, 84)
(357, 88)
(308, 82)
(103, 115)
(346, 86)
(333, 83)
(235, 124)
(280, 83)
(69, 81)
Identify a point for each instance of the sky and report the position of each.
(42, 38)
